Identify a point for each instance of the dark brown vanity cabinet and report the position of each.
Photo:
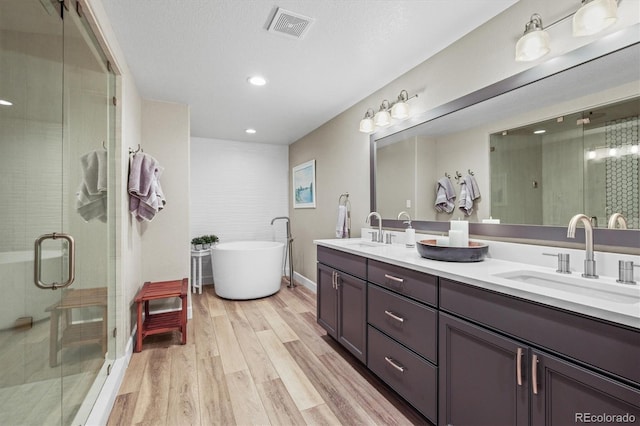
(403, 333)
(482, 376)
(342, 299)
(510, 361)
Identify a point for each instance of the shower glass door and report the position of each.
(56, 215)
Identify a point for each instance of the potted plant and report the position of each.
(208, 241)
(196, 243)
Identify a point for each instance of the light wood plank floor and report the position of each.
(255, 362)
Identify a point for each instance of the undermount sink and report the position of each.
(363, 244)
(614, 292)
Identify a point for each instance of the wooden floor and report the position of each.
(256, 362)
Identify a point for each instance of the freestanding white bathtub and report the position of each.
(247, 269)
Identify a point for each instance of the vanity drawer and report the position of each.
(411, 323)
(411, 376)
(345, 262)
(413, 284)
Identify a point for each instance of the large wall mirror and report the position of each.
(582, 158)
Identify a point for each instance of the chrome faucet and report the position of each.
(380, 238)
(615, 219)
(589, 262)
(403, 213)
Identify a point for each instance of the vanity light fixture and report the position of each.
(398, 110)
(250, 131)
(534, 43)
(5, 102)
(366, 124)
(594, 16)
(382, 117)
(592, 154)
(539, 132)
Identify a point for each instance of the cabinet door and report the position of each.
(564, 393)
(327, 303)
(352, 319)
(483, 377)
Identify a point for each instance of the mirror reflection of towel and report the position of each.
(469, 192)
(445, 195)
(91, 196)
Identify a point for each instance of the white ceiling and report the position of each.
(201, 52)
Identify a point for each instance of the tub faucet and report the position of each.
(377, 215)
(288, 251)
(615, 219)
(589, 262)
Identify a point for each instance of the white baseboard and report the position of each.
(107, 397)
(299, 278)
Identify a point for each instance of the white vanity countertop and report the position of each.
(483, 274)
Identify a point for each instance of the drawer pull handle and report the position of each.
(534, 374)
(394, 316)
(395, 365)
(392, 278)
(519, 366)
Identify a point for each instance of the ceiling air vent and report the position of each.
(290, 24)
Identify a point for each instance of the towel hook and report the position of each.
(132, 151)
(470, 172)
(447, 175)
(458, 175)
(104, 146)
(346, 197)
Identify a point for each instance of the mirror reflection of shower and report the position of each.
(288, 252)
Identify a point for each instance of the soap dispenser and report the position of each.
(409, 233)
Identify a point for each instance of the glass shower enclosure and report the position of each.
(57, 227)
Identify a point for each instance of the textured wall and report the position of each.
(237, 188)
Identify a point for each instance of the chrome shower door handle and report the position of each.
(37, 261)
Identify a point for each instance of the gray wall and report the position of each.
(342, 152)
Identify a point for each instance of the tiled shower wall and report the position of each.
(623, 172)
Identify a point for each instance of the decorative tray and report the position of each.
(475, 252)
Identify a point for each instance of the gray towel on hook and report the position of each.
(145, 193)
(469, 192)
(445, 195)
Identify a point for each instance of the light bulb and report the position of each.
(382, 118)
(366, 125)
(400, 110)
(594, 16)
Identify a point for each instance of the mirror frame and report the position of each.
(623, 241)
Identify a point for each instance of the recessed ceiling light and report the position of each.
(539, 132)
(5, 103)
(250, 131)
(256, 80)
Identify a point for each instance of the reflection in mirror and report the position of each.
(545, 172)
(407, 164)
